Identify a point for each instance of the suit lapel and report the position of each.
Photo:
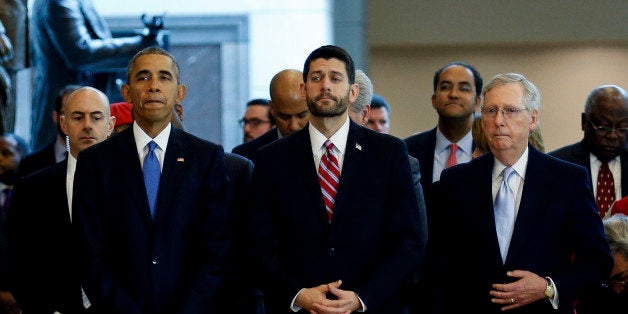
(351, 168)
(172, 171)
(532, 203)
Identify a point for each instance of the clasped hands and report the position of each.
(315, 300)
(529, 288)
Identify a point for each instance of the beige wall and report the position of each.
(565, 47)
(564, 75)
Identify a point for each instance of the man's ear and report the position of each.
(178, 108)
(124, 90)
(62, 124)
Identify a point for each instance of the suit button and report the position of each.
(154, 261)
(331, 252)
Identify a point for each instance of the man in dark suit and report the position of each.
(288, 108)
(605, 125)
(12, 149)
(72, 44)
(40, 227)
(355, 252)
(165, 254)
(533, 242)
(456, 97)
(56, 151)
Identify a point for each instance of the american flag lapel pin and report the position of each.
(180, 159)
(358, 146)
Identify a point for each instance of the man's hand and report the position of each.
(527, 289)
(307, 297)
(345, 303)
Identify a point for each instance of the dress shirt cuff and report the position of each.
(554, 300)
(293, 306)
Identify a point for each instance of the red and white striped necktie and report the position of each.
(328, 177)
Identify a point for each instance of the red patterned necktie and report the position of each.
(451, 160)
(605, 189)
(328, 177)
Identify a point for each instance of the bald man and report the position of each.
(287, 106)
(39, 224)
(605, 126)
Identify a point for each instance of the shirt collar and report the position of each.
(519, 166)
(465, 143)
(339, 139)
(142, 139)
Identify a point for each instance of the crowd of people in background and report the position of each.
(120, 210)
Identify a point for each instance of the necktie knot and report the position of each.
(506, 174)
(329, 146)
(151, 146)
(452, 160)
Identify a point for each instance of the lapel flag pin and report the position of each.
(180, 159)
(358, 146)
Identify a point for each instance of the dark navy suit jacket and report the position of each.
(250, 148)
(174, 263)
(557, 233)
(579, 155)
(44, 264)
(373, 240)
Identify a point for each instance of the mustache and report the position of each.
(325, 95)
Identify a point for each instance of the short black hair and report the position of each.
(262, 102)
(477, 78)
(66, 90)
(330, 52)
(378, 102)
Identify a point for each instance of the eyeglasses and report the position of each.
(508, 112)
(254, 123)
(604, 130)
(618, 282)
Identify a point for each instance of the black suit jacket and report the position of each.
(44, 264)
(557, 233)
(239, 295)
(421, 146)
(174, 263)
(373, 240)
(579, 155)
(250, 148)
(38, 160)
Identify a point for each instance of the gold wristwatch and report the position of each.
(549, 288)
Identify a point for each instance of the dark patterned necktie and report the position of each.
(605, 189)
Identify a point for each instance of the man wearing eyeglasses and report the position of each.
(530, 227)
(257, 119)
(605, 126)
(288, 108)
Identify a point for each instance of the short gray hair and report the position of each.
(616, 229)
(531, 94)
(366, 91)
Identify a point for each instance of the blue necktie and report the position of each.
(504, 208)
(152, 173)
